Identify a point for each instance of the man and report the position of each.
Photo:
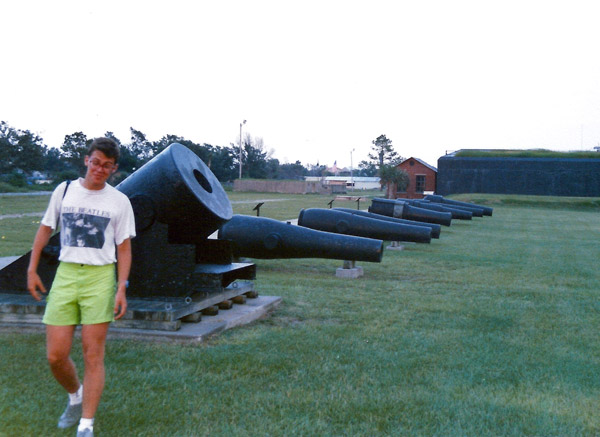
(95, 219)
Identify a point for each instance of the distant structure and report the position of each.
(422, 179)
(334, 169)
(347, 182)
(515, 175)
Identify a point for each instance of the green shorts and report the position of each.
(81, 294)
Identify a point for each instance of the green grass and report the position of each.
(529, 153)
(23, 204)
(490, 330)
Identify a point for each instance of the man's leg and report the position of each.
(58, 348)
(93, 339)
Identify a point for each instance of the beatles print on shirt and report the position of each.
(80, 229)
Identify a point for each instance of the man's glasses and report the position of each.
(107, 166)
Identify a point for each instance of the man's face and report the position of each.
(99, 167)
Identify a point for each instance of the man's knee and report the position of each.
(93, 356)
(57, 357)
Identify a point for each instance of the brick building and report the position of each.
(422, 178)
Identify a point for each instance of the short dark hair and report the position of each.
(108, 146)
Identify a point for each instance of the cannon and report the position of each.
(434, 227)
(340, 222)
(265, 238)
(458, 214)
(464, 205)
(398, 209)
(477, 212)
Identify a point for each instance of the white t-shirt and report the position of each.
(93, 222)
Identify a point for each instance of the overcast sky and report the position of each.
(313, 79)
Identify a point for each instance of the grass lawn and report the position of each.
(490, 330)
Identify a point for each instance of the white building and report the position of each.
(360, 182)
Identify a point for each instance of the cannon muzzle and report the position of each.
(486, 210)
(435, 228)
(340, 222)
(398, 209)
(176, 188)
(264, 238)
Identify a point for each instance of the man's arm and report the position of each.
(33, 279)
(123, 267)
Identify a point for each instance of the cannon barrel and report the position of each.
(467, 205)
(340, 222)
(459, 214)
(176, 188)
(477, 212)
(435, 228)
(398, 209)
(265, 238)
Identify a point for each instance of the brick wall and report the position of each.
(276, 186)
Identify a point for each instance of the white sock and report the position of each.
(77, 397)
(86, 423)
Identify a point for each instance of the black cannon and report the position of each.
(264, 238)
(339, 222)
(476, 211)
(459, 214)
(434, 227)
(398, 209)
(465, 205)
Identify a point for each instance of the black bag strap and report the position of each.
(63, 196)
(66, 188)
(52, 252)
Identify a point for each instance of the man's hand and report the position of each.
(120, 302)
(33, 284)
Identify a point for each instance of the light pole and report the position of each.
(351, 177)
(241, 124)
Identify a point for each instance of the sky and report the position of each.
(318, 81)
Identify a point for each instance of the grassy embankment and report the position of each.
(491, 330)
(528, 153)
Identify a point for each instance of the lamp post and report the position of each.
(351, 177)
(241, 124)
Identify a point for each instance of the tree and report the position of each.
(8, 139)
(30, 152)
(164, 142)
(391, 176)
(292, 171)
(222, 163)
(382, 152)
(367, 169)
(74, 149)
(140, 147)
(20, 150)
(55, 162)
(254, 158)
(273, 169)
(317, 170)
